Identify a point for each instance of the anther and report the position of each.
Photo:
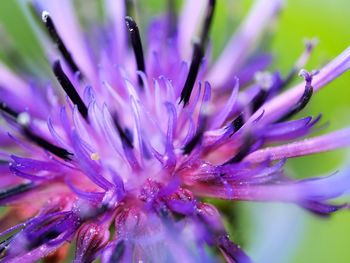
(95, 156)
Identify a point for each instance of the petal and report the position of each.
(331, 141)
(116, 13)
(243, 42)
(64, 17)
(191, 15)
(300, 192)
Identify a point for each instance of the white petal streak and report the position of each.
(13, 83)
(191, 14)
(116, 13)
(243, 42)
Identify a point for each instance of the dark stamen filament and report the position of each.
(118, 252)
(303, 101)
(8, 110)
(244, 150)
(122, 133)
(58, 151)
(4, 245)
(196, 139)
(193, 142)
(15, 190)
(44, 238)
(192, 74)
(136, 45)
(237, 123)
(59, 42)
(69, 89)
(259, 99)
(198, 54)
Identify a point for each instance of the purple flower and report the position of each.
(146, 130)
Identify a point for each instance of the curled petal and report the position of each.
(280, 104)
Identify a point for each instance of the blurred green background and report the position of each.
(317, 240)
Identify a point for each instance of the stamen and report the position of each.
(15, 190)
(69, 89)
(136, 45)
(59, 42)
(198, 54)
(58, 151)
(123, 134)
(305, 98)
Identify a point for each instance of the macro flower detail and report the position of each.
(118, 149)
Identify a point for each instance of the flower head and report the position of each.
(146, 130)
